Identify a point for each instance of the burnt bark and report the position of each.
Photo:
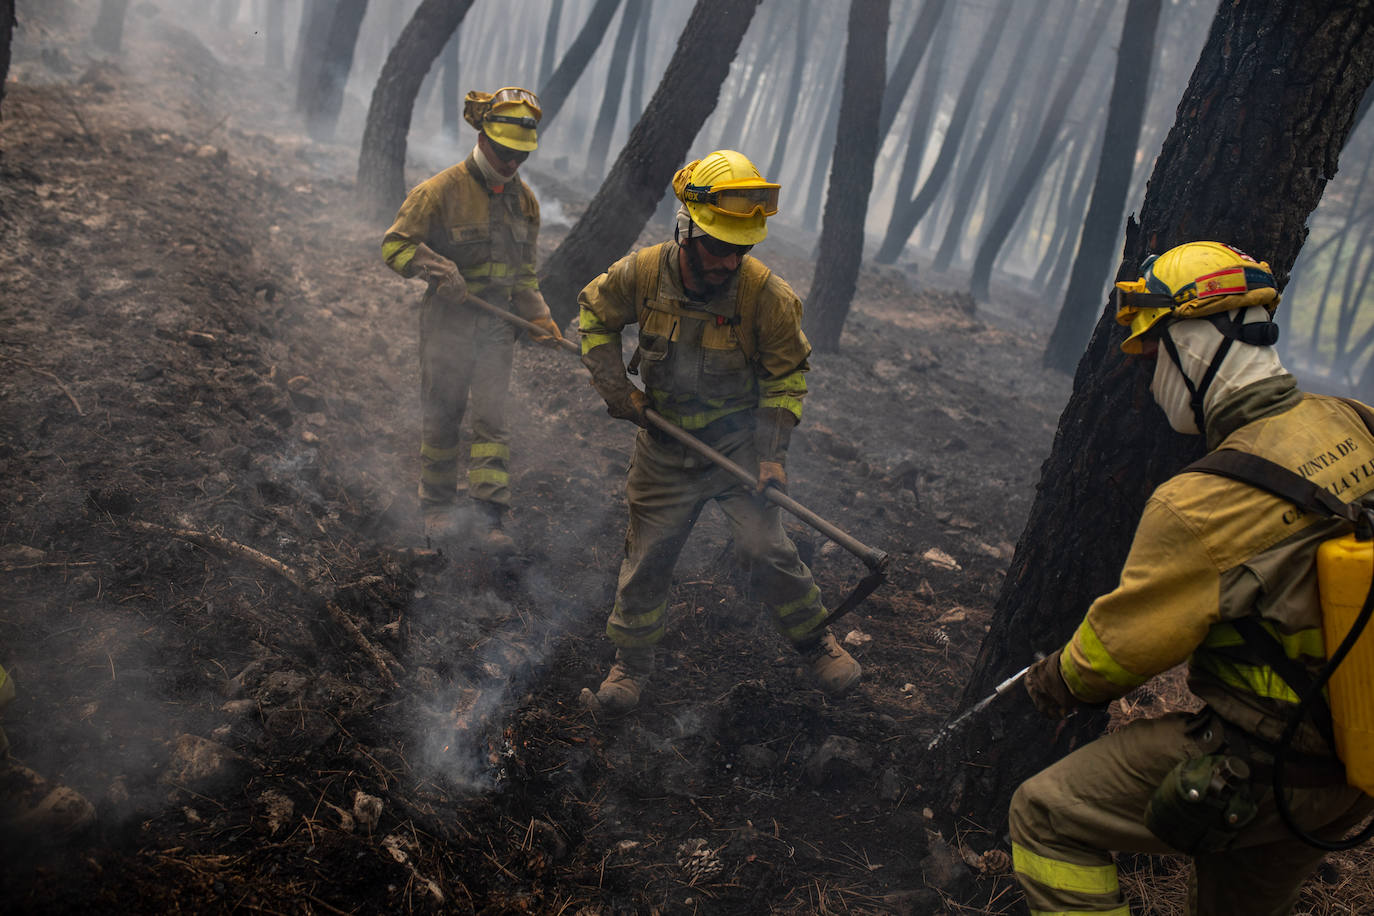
(324, 74)
(561, 82)
(7, 23)
(906, 214)
(657, 147)
(802, 36)
(851, 175)
(381, 161)
(452, 97)
(108, 33)
(1258, 134)
(550, 51)
(615, 84)
(1121, 138)
(1028, 171)
(904, 70)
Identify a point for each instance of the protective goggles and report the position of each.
(512, 95)
(742, 201)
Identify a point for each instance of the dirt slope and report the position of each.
(208, 456)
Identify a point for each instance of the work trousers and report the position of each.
(464, 354)
(1066, 820)
(668, 486)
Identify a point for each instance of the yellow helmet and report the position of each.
(509, 116)
(727, 197)
(1193, 280)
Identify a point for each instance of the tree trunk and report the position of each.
(851, 175)
(1029, 172)
(637, 70)
(904, 70)
(108, 34)
(615, 83)
(816, 188)
(1121, 138)
(452, 96)
(962, 205)
(228, 12)
(907, 214)
(1257, 136)
(7, 22)
(324, 77)
(381, 161)
(553, 94)
(276, 34)
(656, 149)
(311, 42)
(1055, 266)
(794, 84)
(550, 52)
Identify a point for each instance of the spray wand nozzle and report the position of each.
(981, 704)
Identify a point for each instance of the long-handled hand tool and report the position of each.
(875, 560)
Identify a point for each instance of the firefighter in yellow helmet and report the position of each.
(472, 229)
(721, 353)
(1221, 575)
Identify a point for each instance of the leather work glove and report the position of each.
(1049, 693)
(445, 280)
(772, 474)
(551, 337)
(631, 407)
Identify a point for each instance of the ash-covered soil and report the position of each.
(214, 568)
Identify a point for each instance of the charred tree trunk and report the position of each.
(1258, 134)
(276, 34)
(550, 52)
(637, 71)
(615, 83)
(962, 204)
(794, 84)
(109, 25)
(851, 175)
(907, 214)
(656, 149)
(560, 85)
(381, 161)
(311, 41)
(1030, 167)
(904, 70)
(324, 76)
(816, 190)
(7, 23)
(452, 97)
(1125, 112)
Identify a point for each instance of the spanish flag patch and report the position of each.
(1226, 282)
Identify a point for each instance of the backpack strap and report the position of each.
(1292, 487)
(753, 278)
(647, 265)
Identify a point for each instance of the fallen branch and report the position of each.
(65, 390)
(380, 661)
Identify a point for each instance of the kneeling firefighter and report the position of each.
(722, 355)
(1222, 573)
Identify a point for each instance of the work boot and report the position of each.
(619, 692)
(440, 520)
(835, 669)
(35, 810)
(489, 533)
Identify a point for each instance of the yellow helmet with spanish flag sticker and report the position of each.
(1192, 280)
(508, 116)
(727, 197)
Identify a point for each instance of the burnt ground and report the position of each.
(208, 460)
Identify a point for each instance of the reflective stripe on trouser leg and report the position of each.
(446, 360)
(664, 501)
(1066, 820)
(488, 474)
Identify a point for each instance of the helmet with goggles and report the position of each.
(1197, 280)
(509, 116)
(727, 197)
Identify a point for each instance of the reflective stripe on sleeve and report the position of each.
(1100, 662)
(397, 254)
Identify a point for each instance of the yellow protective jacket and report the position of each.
(1209, 549)
(701, 361)
(491, 235)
